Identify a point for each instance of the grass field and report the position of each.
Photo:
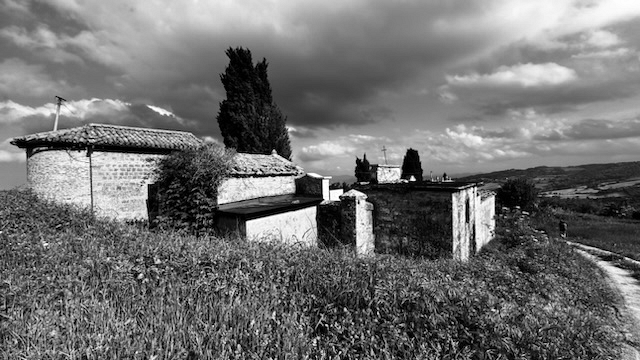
(621, 236)
(76, 288)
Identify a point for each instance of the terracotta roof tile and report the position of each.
(263, 165)
(124, 137)
(103, 135)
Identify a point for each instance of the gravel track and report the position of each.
(628, 287)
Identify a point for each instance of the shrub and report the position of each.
(188, 187)
(518, 192)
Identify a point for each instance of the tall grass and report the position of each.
(77, 288)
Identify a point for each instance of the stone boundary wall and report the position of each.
(486, 221)
(464, 214)
(384, 174)
(246, 188)
(357, 222)
(298, 227)
(408, 221)
(453, 223)
(329, 222)
(313, 184)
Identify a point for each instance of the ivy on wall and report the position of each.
(188, 187)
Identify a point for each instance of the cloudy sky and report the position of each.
(474, 85)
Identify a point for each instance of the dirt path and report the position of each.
(629, 289)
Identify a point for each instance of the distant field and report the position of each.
(616, 235)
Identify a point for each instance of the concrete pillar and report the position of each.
(357, 222)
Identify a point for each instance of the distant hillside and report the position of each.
(349, 179)
(595, 180)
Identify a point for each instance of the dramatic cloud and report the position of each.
(404, 73)
(521, 75)
(601, 39)
(19, 79)
(11, 112)
(325, 150)
(594, 129)
(549, 87)
(344, 149)
(76, 113)
(9, 153)
(330, 62)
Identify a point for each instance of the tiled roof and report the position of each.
(263, 165)
(269, 205)
(101, 135)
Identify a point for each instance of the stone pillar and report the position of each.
(357, 222)
(313, 184)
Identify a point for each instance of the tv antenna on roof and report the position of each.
(58, 103)
(384, 151)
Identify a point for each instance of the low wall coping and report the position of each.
(353, 194)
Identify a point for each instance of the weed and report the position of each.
(620, 236)
(76, 287)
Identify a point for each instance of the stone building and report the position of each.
(103, 167)
(267, 197)
(384, 174)
(433, 219)
(111, 169)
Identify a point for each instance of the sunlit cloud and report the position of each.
(524, 75)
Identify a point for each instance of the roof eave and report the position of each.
(24, 144)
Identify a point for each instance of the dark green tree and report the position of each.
(249, 119)
(411, 165)
(363, 169)
(518, 192)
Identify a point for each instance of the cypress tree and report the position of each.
(249, 119)
(411, 165)
(363, 169)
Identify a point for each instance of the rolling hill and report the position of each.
(582, 181)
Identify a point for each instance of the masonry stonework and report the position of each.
(329, 224)
(246, 188)
(463, 204)
(120, 183)
(357, 222)
(384, 174)
(411, 222)
(119, 180)
(48, 175)
(292, 227)
(313, 184)
(425, 219)
(486, 222)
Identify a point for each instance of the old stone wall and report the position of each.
(464, 208)
(329, 224)
(334, 194)
(120, 183)
(357, 222)
(313, 184)
(385, 174)
(60, 175)
(245, 188)
(408, 221)
(292, 227)
(486, 222)
(119, 180)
